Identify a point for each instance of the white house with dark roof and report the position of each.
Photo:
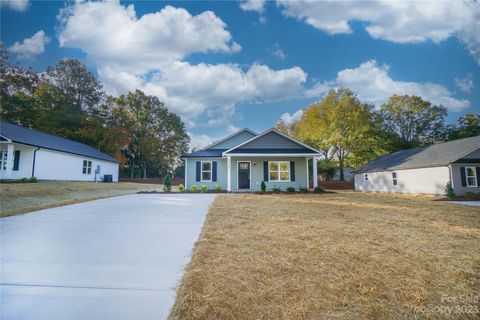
(30, 153)
(425, 170)
(241, 161)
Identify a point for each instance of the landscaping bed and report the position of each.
(339, 256)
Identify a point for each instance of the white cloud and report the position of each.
(16, 5)
(146, 53)
(288, 118)
(278, 52)
(465, 84)
(396, 21)
(191, 90)
(111, 34)
(372, 83)
(253, 5)
(318, 89)
(199, 141)
(30, 47)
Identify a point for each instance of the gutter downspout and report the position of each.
(451, 175)
(33, 165)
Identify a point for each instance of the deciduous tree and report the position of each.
(413, 121)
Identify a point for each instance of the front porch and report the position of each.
(277, 171)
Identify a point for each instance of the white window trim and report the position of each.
(3, 160)
(474, 170)
(278, 171)
(202, 171)
(91, 165)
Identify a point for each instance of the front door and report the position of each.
(243, 175)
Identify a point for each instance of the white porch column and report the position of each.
(315, 176)
(306, 165)
(10, 155)
(186, 174)
(229, 173)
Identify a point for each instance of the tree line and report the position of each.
(68, 100)
(350, 132)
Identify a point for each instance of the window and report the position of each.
(3, 160)
(471, 176)
(206, 171)
(394, 178)
(87, 167)
(366, 177)
(279, 171)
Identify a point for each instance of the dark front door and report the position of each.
(243, 175)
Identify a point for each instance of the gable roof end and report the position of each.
(274, 131)
(229, 137)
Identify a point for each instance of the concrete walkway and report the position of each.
(467, 203)
(116, 258)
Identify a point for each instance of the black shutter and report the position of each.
(292, 170)
(214, 170)
(265, 171)
(478, 176)
(16, 160)
(198, 171)
(463, 176)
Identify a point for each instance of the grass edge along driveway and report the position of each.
(17, 198)
(346, 255)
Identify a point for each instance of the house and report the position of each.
(241, 161)
(30, 153)
(425, 170)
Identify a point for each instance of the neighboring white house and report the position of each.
(425, 170)
(30, 153)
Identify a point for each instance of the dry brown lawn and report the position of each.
(333, 256)
(16, 198)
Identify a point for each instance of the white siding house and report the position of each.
(425, 170)
(30, 153)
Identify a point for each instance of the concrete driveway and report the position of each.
(116, 258)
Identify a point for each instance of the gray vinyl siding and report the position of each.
(235, 140)
(474, 154)
(256, 173)
(271, 140)
(221, 173)
(457, 180)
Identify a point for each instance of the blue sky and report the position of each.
(225, 65)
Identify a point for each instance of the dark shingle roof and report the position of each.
(44, 140)
(439, 154)
(213, 153)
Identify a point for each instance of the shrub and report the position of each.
(275, 189)
(193, 188)
(33, 179)
(263, 186)
(472, 195)
(204, 188)
(449, 191)
(218, 188)
(290, 189)
(24, 180)
(303, 190)
(318, 190)
(167, 183)
(181, 187)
